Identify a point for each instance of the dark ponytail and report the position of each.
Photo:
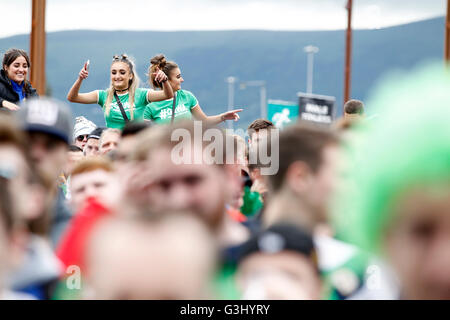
(159, 62)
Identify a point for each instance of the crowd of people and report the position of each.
(163, 203)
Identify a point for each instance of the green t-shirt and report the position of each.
(161, 111)
(115, 119)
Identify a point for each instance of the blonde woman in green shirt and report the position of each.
(123, 93)
(186, 105)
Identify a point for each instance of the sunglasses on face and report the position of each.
(82, 137)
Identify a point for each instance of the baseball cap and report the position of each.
(46, 115)
(277, 238)
(96, 133)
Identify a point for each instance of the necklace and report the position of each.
(122, 90)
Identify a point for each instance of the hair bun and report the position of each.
(158, 61)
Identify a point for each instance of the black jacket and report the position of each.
(7, 92)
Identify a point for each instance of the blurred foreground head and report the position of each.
(398, 201)
(48, 124)
(29, 190)
(279, 263)
(171, 257)
(128, 140)
(300, 191)
(178, 170)
(6, 227)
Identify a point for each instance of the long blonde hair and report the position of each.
(133, 85)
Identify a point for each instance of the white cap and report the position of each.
(82, 126)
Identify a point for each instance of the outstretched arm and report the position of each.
(229, 115)
(74, 94)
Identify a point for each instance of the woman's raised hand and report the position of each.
(160, 76)
(84, 73)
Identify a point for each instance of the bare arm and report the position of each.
(74, 94)
(198, 114)
(167, 91)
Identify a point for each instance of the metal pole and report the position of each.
(263, 101)
(310, 51)
(309, 74)
(447, 35)
(37, 46)
(230, 81)
(348, 53)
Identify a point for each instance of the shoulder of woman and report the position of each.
(4, 81)
(142, 90)
(3, 77)
(5, 87)
(187, 93)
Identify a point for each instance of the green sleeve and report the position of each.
(141, 97)
(192, 100)
(252, 202)
(148, 112)
(102, 94)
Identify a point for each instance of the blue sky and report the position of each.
(172, 15)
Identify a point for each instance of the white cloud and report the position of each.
(173, 15)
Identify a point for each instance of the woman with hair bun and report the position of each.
(123, 101)
(14, 86)
(185, 106)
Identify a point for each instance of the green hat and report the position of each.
(406, 145)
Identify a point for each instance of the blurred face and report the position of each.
(175, 79)
(281, 276)
(324, 182)
(109, 142)
(98, 184)
(48, 153)
(29, 198)
(195, 187)
(18, 70)
(91, 147)
(120, 75)
(150, 262)
(12, 160)
(257, 137)
(418, 243)
(81, 140)
(73, 158)
(4, 252)
(126, 147)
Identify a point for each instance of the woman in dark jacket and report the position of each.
(14, 86)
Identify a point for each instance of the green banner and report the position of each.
(282, 113)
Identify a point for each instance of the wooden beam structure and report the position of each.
(348, 54)
(37, 46)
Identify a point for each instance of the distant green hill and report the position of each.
(208, 57)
